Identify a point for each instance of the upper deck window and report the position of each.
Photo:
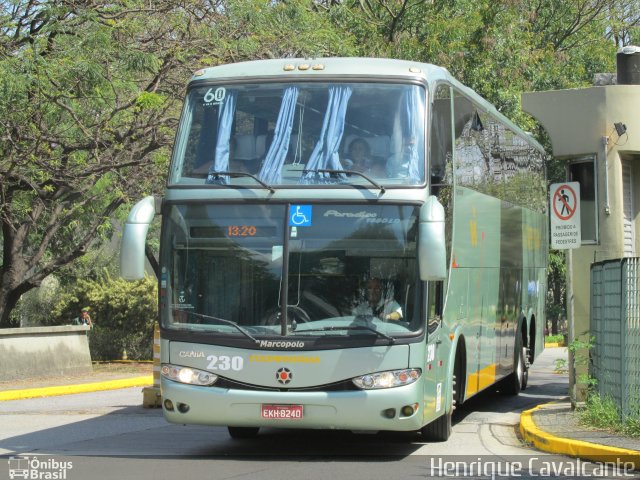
(283, 134)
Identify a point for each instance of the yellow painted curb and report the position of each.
(575, 448)
(143, 381)
(99, 362)
(554, 345)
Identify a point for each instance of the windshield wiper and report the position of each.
(217, 175)
(221, 320)
(348, 172)
(352, 327)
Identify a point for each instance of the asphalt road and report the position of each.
(108, 435)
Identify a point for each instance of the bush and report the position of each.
(123, 315)
(603, 413)
(107, 344)
(554, 339)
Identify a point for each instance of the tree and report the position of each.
(498, 48)
(89, 101)
(557, 288)
(83, 113)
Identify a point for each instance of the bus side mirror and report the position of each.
(134, 237)
(432, 249)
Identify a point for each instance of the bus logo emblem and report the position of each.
(284, 375)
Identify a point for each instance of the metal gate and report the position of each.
(615, 324)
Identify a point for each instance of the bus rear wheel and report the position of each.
(517, 380)
(243, 432)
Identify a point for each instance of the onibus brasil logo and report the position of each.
(38, 468)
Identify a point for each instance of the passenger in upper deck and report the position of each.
(358, 156)
(359, 159)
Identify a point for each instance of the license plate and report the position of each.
(282, 412)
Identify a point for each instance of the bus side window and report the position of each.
(441, 156)
(441, 138)
(434, 305)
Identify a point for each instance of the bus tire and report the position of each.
(439, 430)
(516, 381)
(243, 432)
(525, 372)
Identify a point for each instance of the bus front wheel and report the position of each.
(243, 432)
(440, 429)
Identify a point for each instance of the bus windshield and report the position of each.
(346, 269)
(301, 134)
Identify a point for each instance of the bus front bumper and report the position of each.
(382, 409)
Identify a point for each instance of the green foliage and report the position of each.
(151, 100)
(578, 346)
(106, 344)
(123, 314)
(557, 285)
(600, 412)
(554, 339)
(560, 366)
(579, 350)
(603, 413)
(500, 49)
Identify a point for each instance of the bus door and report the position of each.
(436, 354)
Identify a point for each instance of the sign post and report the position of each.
(564, 206)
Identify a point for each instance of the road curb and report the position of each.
(575, 448)
(143, 381)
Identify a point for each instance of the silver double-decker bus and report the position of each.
(347, 243)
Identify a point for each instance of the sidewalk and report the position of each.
(554, 428)
(109, 376)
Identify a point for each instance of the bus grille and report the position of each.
(342, 386)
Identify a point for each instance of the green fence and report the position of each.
(615, 325)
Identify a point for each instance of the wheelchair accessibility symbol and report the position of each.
(300, 216)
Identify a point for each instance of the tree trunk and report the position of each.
(8, 299)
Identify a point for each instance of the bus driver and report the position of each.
(385, 308)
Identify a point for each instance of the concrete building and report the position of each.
(596, 131)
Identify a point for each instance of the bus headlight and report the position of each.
(192, 376)
(389, 379)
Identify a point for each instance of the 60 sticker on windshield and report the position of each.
(224, 362)
(214, 96)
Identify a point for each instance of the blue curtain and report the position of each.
(413, 109)
(225, 122)
(407, 163)
(271, 171)
(325, 154)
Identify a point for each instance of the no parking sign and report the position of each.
(564, 206)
